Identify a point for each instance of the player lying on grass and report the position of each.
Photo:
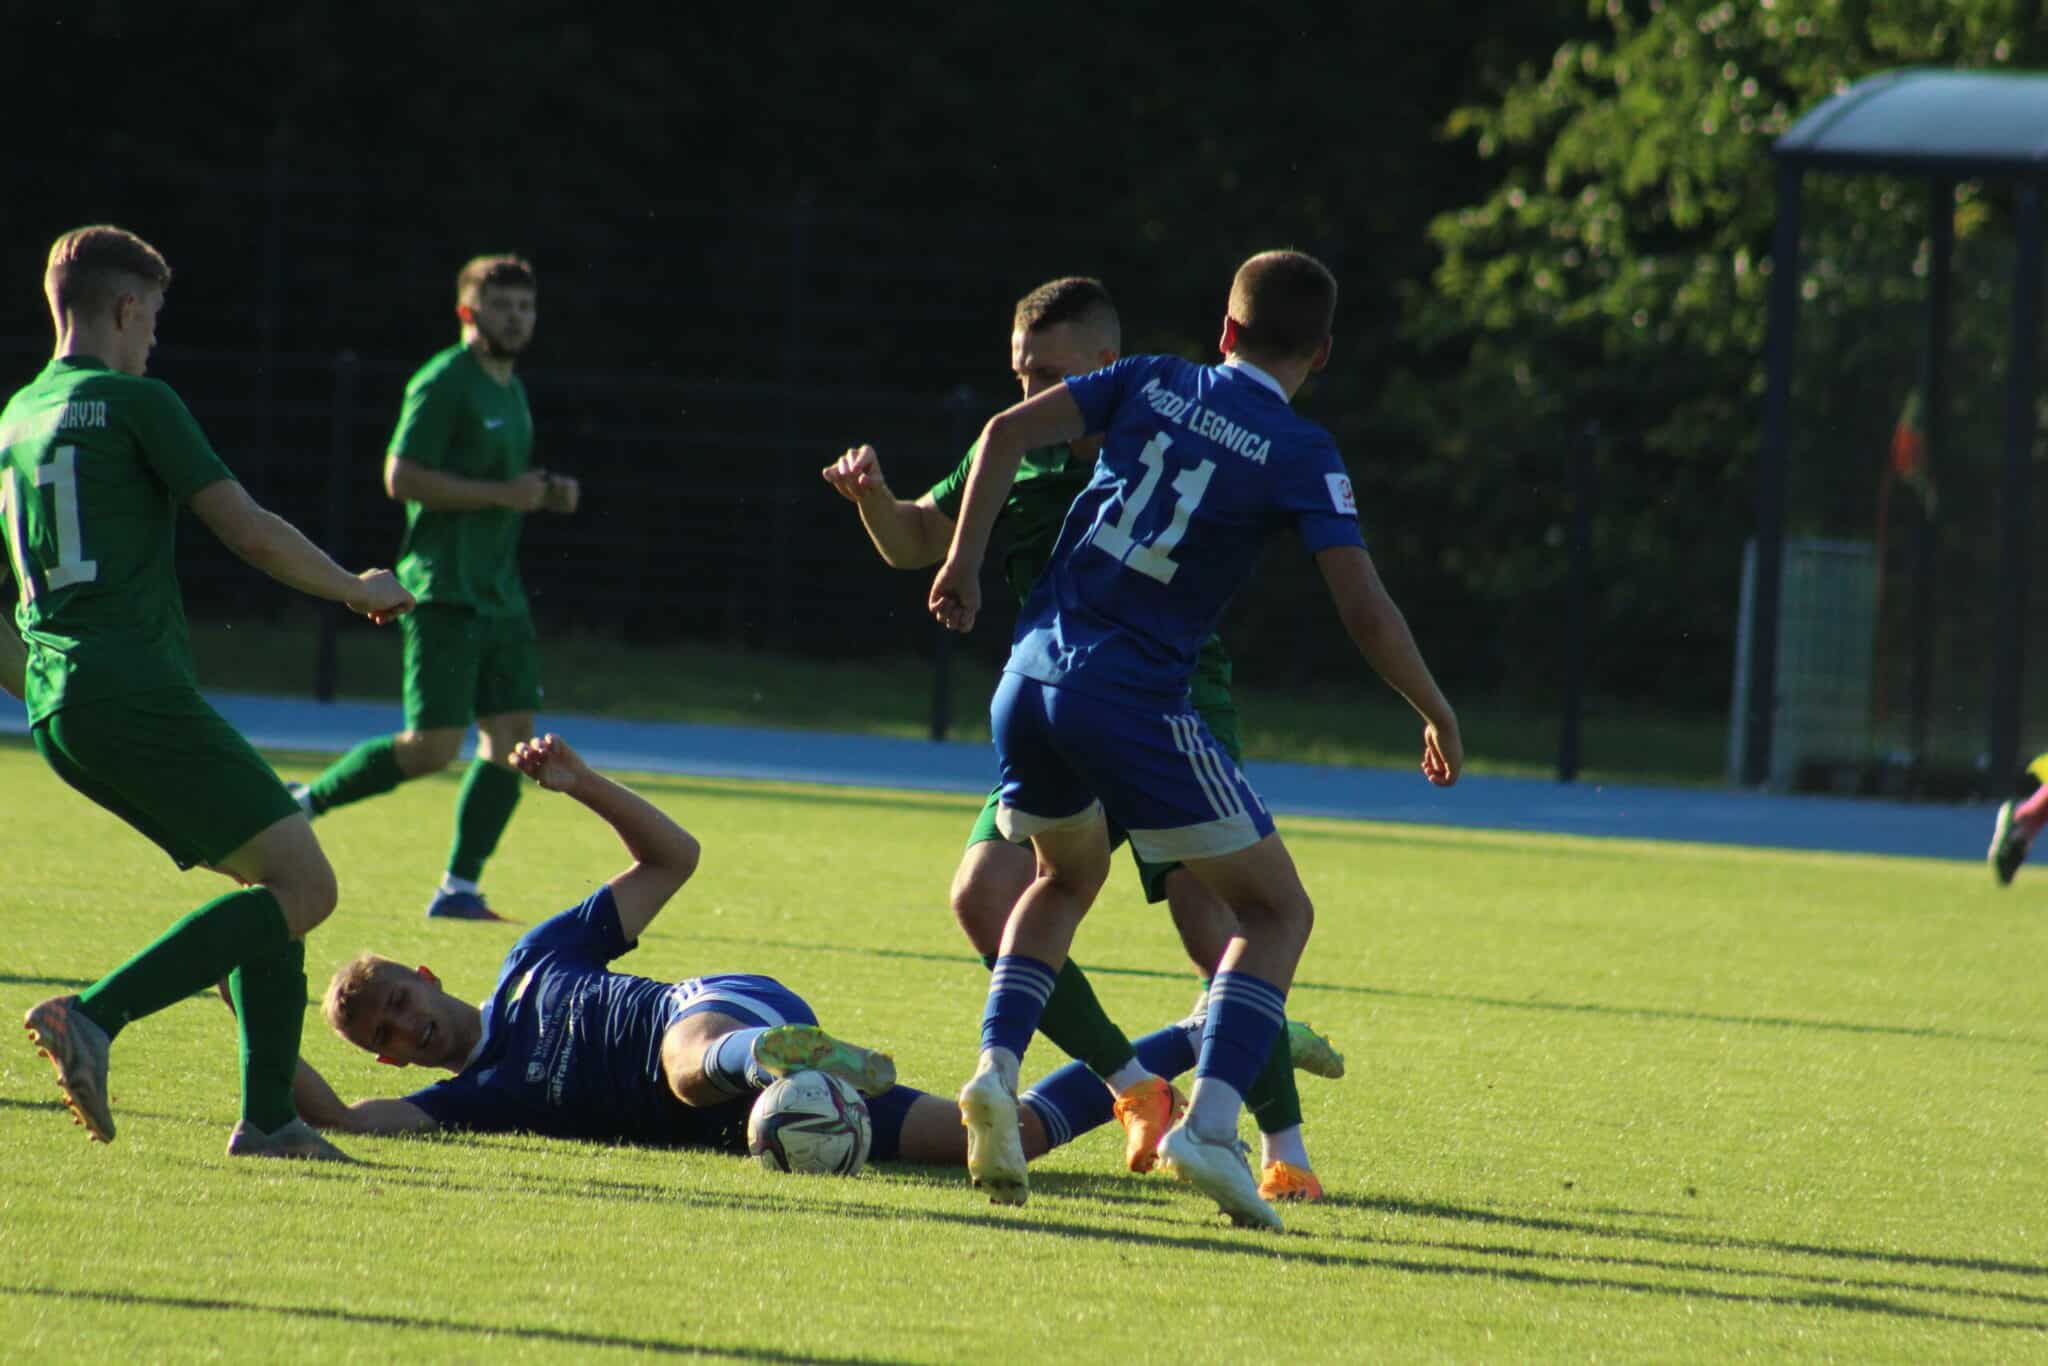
(1064, 328)
(567, 1048)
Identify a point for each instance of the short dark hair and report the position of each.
(89, 266)
(484, 271)
(1283, 303)
(1071, 298)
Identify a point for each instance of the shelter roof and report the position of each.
(1922, 121)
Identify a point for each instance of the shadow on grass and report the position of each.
(15, 979)
(1450, 998)
(1430, 1209)
(1297, 1248)
(359, 1319)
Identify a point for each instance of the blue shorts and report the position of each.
(755, 1000)
(1158, 774)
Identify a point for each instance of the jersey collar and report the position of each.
(1234, 362)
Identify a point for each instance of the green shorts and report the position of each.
(1221, 715)
(459, 666)
(169, 765)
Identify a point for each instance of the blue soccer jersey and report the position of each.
(1201, 465)
(572, 1049)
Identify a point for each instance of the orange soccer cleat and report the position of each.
(1285, 1181)
(1147, 1110)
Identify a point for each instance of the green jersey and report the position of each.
(94, 464)
(1047, 481)
(458, 420)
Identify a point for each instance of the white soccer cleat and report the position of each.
(1219, 1171)
(995, 1150)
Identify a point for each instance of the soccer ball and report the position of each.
(810, 1122)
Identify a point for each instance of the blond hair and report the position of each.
(90, 268)
(352, 984)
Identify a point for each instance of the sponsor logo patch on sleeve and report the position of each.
(1340, 493)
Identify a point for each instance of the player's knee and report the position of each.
(428, 751)
(306, 892)
(982, 910)
(1291, 917)
(1081, 879)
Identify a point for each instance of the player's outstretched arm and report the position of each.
(320, 1107)
(1381, 634)
(664, 854)
(1045, 419)
(906, 535)
(564, 494)
(408, 481)
(262, 538)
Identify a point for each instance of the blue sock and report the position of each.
(886, 1114)
(1073, 1100)
(1245, 1017)
(729, 1063)
(1017, 992)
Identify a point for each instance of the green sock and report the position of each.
(270, 1011)
(1273, 1099)
(489, 794)
(369, 770)
(188, 957)
(1078, 1026)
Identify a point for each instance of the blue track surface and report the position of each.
(1705, 815)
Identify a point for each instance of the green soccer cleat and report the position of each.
(1312, 1053)
(995, 1151)
(298, 1140)
(77, 1049)
(2008, 846)
(1219, 1171)
(807, 1048)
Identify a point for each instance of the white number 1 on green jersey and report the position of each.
(59, 474)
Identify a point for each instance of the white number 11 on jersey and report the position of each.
(59, 474)
(1154, 558)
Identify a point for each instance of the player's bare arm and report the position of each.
(906, 535)
(1376, 626)
(664, 854)
(320, 1107)
(1046, 419)
(564, 493)
(408, 481)
(268, 542)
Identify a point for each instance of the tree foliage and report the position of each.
(1616, 273)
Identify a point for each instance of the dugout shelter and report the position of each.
(1938, 129)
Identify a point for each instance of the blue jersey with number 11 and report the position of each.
(1201, 465)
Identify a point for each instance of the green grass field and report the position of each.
(1606, 1100)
